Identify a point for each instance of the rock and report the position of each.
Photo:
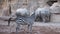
(56, 7)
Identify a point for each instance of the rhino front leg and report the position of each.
(43, 18)
(17, 28)
(30, 28)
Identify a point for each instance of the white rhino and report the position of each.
(22, 12)
(43, 13)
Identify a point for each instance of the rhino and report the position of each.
(23, 17)
(44, 14)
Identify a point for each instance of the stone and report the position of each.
(56, 7)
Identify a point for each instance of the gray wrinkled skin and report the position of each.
(43, 13)
(22, 12)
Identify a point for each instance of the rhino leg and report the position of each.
(30, 28)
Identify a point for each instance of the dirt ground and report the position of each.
(38, 28)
